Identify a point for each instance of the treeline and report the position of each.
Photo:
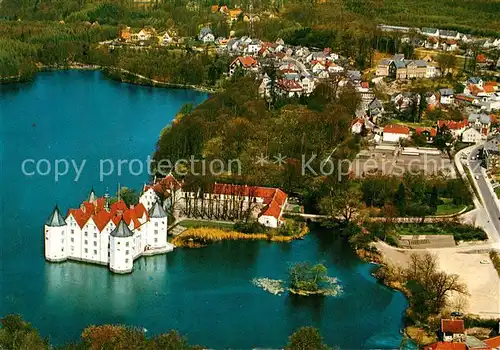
(412, 195)
(17, 334)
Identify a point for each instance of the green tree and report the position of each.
(128, 195)
(18, 334)
(306, 338)
(400, 200)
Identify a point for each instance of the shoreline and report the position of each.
(107, 72)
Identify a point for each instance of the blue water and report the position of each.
(206, 293)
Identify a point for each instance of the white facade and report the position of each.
(471, 135)
(394, 137)
(209, 38)
(100, 234)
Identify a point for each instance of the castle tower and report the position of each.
(55, 230)
(121, 248)
(157, 226)
(92, 197)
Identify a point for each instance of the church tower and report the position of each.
(121, 248)
(157, 226)
(55, 230)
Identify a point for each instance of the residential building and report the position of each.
(288, 88)
(395, 133)
(480, 121)
(246, 63)
(452, 330)
(357, 126)
(446, 96)
(471, 135)
(427, 132)
(456, 128)
(206, 35)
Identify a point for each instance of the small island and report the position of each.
(304, 279)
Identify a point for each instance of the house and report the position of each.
(375, 108)
(317, 66)
(354, 76)
(144, 35)
(432, 71)
(166, 39)
(383, 68)
(206, 35)
(475, 81)
(395, 133)
(265, 86)
(452, 330)
(334, 68)
(479, 121)
(471, 135)
(446, 346)
(409, 69)
(288, 88)
(125, 34)
(446, 96)
(405, 100)
(254, 47)
(449, 34)
(430, 32)
(432, 100)
(357, 126)
(246, 63)
(428, 133)
(308, 85)
(456, 128)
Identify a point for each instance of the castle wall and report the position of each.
(55, 243)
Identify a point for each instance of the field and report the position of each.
(202, 223)
(460, 232)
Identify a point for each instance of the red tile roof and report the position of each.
(489, 88)
(365, 84)
(397, 129)
(481, 58)
(432, 131)
(453, 125)
(493, 342)
(474, 90)
(289, 85)
(452, 326)
(245, 61)
(274, 198)
(165, 186)
(446, 346)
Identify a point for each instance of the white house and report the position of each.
(357, 126)
(206, 35)
(143, 35)
(167, 39)
(452, 330)
(395, 133)
(471, 135)
(446, 96)
(107, 234)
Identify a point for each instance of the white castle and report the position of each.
(108, 234)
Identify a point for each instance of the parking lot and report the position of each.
(395, 161)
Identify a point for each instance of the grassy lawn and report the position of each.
(459, 231)
(201, 223)
(448, 208)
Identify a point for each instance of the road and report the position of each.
(486, 192)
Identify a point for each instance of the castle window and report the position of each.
(72, 248)
(62, 249)
(72, 239)
(126, 252)
(95, 235)
(86, 242)
(86, 250)
(126, 261)
(156, 232)
(95, 252)
(86, 234)
(95, 244)
(127, 244)
(62, 240)
(156, 240)
(72, 231)
(156, 224)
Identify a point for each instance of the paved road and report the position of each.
(487, 195)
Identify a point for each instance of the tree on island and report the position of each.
(305, 278)
(306, 338)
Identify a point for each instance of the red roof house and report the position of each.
(452, 330)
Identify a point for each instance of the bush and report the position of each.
(250, 227)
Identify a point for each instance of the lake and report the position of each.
(205, 293)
